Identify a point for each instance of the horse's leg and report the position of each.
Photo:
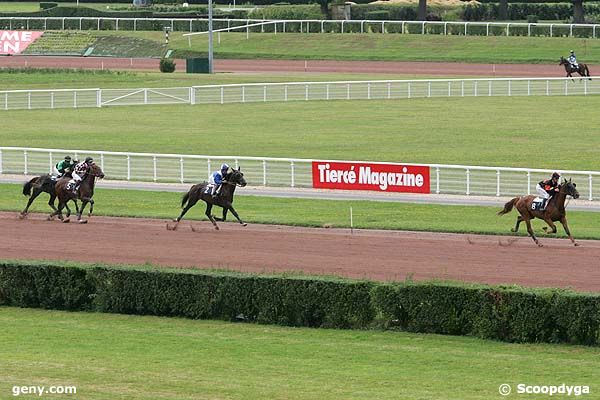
(84, 202)
(209, 215)
(68, 209)
(225, 209)
(519, 220)
(36, 193)
(191, 203)
(530, 231)
(91, 208)
(235, 214)
(51, 201)
(551, 225)
(565, 225)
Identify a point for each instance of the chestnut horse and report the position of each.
(84, 193)
(582, 69)
(224, 200)
(555, 210)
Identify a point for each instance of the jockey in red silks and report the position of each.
(547, 188)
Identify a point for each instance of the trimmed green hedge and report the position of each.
(508, 314)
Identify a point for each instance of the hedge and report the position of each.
(520, 11)
(501, 313)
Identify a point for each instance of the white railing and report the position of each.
(297, 91)
(283, 172)
(306, 26)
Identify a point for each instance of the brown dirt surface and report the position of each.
(378, 255)
(245, 66)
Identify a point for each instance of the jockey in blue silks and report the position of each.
(216, 179)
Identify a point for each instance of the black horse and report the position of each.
(582, 69)
(38, 185)
(225, 199)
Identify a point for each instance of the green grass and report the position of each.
(116, 356)
(29, 78)
(388, 47)
(521, 132)
(315, 213)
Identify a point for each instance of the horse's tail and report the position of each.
(508, 206)
(184, 199)
(27, 186)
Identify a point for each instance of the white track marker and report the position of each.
(351, 222)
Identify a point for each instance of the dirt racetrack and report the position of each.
(275, 66)
(380, 255)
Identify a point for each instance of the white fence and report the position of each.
(283, 172)
(297, 91)
(306, 26)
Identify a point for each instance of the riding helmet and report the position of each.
(89, 160)
(556, 175)
(68, 158)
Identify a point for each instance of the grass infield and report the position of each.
(116, 356)
(315, 213)
(531, 132)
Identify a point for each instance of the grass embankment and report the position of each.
(472, 131)
(388, 47)
(30, 78)
(314, 213)
(116, 356)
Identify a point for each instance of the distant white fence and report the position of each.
(283, 172)
(297, 91)
(306, 26)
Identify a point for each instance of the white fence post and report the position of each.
(264, 172)
(293, 172)
(128, 167)
(468, 182)
(181, 174)
(154, 169)
(498, 183)
(590, 198)
(1, 166)
(25, 171)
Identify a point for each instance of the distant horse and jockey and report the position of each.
(573, 66)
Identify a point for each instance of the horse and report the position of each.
(555, 210)
(224, 200)
(582, 69)
(84, 193)
(40, 184)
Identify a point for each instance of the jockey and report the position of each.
(63, 167)
(216, 180)
(547, 188)
(572, 59)
(79, 174)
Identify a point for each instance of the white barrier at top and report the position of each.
(297, 91)
(306, 26)
(284, 172)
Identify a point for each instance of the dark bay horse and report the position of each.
(84, 193)
(38, 185)
(224, 200)
(582, 69)
(555, 210)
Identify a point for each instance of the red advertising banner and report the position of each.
(14, 42)
(368, 176)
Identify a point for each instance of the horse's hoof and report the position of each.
(540, 245)
(21, 216)
(216, 227)
(83, 221)
(575, 244)
(244, 224)
(66, 221)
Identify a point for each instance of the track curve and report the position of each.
(379, 255)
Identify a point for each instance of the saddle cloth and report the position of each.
(537, 203)
(208, 188)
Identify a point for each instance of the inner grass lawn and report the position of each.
(531, 132)
(109, 356)
(315, 213)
